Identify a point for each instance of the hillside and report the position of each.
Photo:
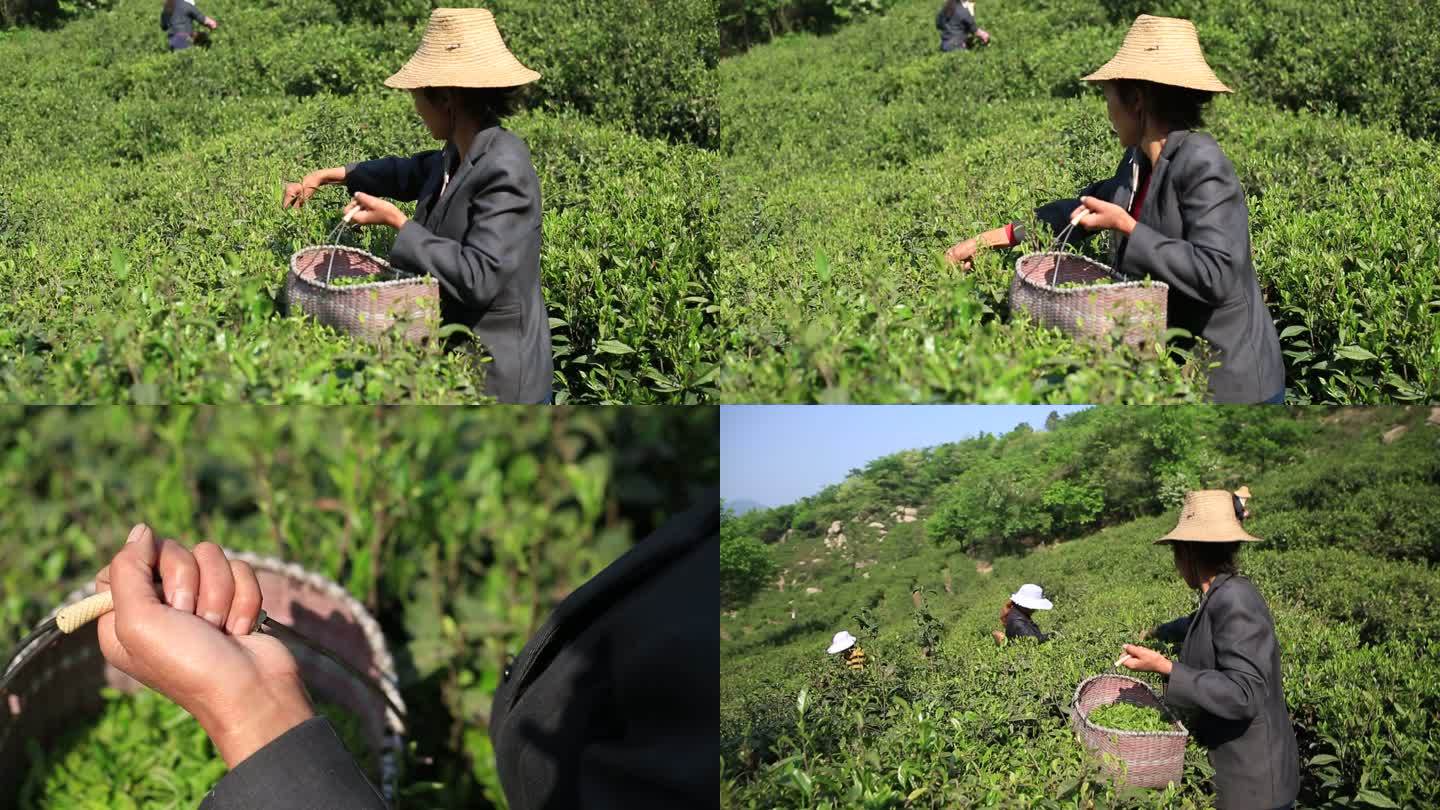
(852, 160)
(144, 248)
(1347, 567)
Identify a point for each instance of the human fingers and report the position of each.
(245, 607)
(216, 586)
(179, 576)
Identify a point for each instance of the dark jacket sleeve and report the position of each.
(398, 178)
(194, 13)
(1204, 264)
(306, 768)
(1017, 627)
(504, 207)
(1173, 631)
(1244, 639)
(1057, 214)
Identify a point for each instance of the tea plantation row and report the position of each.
(852, 161)
(973, 724)
(143, 248)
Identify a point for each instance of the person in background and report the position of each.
(476, 228)
(178, 18)
(958, 30)
(1016, 616)
(1175, 207)
(845, 643)
(1242, 496)
(1227, 679)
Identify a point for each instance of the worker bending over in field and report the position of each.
(958, 30)
(611, 704)
(853, 656)
(1228, 676)
(1016, 616)
(476, 228)
(178, 18)
(1242, 495)
(1175, 206)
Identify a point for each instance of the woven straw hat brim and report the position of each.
(1208, 516)
(462, 47)
(1243, 492)
(1164, 50)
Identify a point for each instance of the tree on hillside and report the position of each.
(745, 564)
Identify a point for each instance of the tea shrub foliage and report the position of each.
(853, 160)
(144, 251)
(968, 723)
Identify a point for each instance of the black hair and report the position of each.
(1176, 107)
(1219, 558)
(483, 103)
(1239, 508)
(949, 10)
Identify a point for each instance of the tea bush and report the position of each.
(970, 723)
(853, 160)
(145, 253)
(459, 529)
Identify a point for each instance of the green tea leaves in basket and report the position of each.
(141, 751)
(1123, 716)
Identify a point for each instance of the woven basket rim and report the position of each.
(413, 278)
(1085, 718)
(1146, 283)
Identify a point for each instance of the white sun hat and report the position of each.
(843, 641)
(1030, 596)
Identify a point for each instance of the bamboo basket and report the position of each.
(365, 310)
(1150, 759)
(1136, 309)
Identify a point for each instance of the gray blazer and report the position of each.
(1193, 233)
(480, 240)
(1227, 682)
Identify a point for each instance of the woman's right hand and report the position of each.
(190, 640)
(963, 254)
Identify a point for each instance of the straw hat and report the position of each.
(1164, 50)
(1208, 516)
(1243, 492)
(1031, 597)
(842, 642)
(462, 47)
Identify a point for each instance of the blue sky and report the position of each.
(777, 454)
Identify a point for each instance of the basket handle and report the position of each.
(1059, 244)
(342, 226)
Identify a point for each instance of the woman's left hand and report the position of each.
(368, 210)
(1096, 214)
(1144, 659)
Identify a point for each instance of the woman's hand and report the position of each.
(211, 24)
(963, 254)
(1096, 214)
(368, 210)
(1144, 659)
(297, 194)
(190, 639)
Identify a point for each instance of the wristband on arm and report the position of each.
(1014, 234)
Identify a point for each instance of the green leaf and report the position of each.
(1373, 798)
(612, 347)
(1353, 353)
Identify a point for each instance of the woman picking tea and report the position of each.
(476, 228)
(1176, 207)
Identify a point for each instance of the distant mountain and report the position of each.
(744, 505)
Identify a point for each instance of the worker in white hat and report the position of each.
(846, 645)
(1017, 614)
